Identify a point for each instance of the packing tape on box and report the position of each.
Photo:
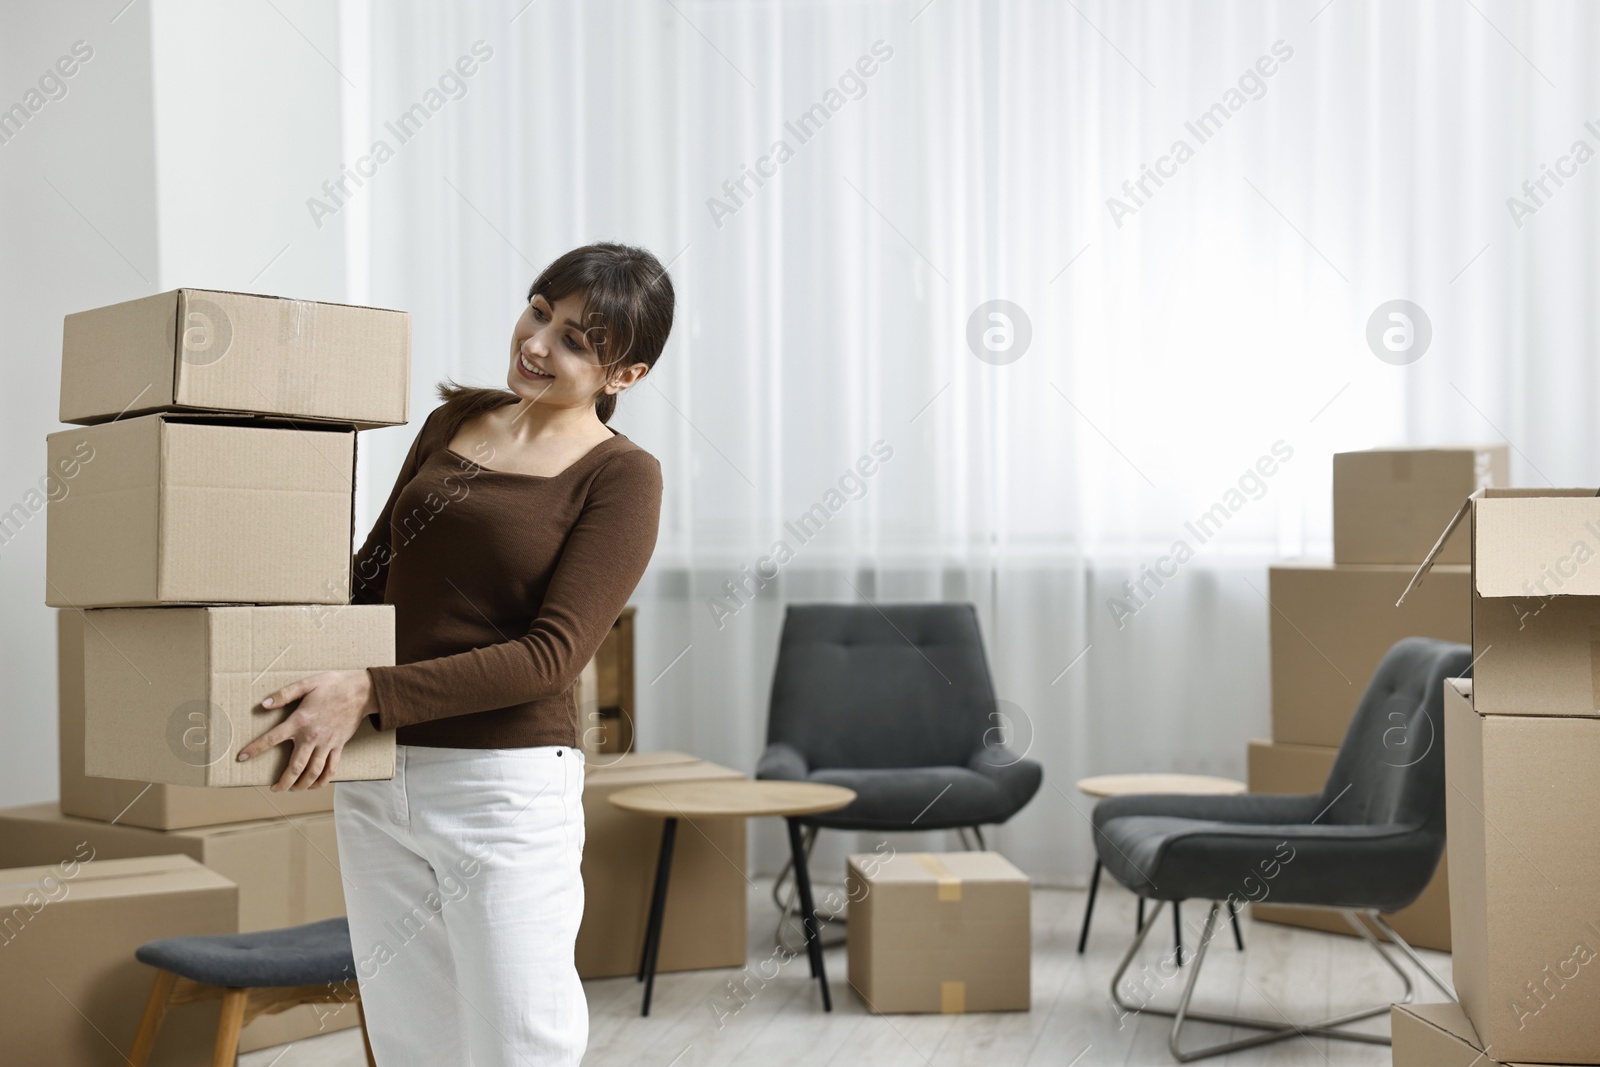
(952, 998)
(297, 322)
(949, 885)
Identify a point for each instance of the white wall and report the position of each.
(181, 154)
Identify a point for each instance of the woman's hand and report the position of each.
(332, 705)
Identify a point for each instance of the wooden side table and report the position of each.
(672, 801)
(1119, 785)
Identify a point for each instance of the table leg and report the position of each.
(1238, 938)
(658, 906)
(1140, 924)
(1088, 911)
(808, 911)
(1177, 930)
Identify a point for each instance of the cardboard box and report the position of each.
(1332, 625)
(205, 350)
(74, 993)
(1390, 503)
(705, 911)
(1435, 1035)
(171, 509)
(1275, 767)
(172, 694)
(1536, 598)
(1523, 799)
(939, 932)
(156, 806)
(286, 871)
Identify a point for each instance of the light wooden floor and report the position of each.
(1286, 971)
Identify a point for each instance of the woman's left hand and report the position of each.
(332, 705)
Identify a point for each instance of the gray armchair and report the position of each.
(1369, 842)
(895, 702)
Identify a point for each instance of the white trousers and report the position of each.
(462, 885)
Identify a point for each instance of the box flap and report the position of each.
(117, 360)
(1438, 546)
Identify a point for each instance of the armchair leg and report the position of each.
(1273, 1030)
(1411, 954)
(226, 1051)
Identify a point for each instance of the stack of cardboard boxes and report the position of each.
(1332, 623)
(199, 539)
(1522, 748)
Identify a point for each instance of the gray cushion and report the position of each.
(894, 701)
(297, 955)
(1371, 839)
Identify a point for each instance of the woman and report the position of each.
(505, 571)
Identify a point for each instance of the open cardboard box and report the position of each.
(1535, 599)
(206, 350)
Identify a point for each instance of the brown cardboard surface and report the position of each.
(1536, 598)
(704, 923)
(1390, 503)
(236, 352)
(156, 806)
(1275, 767)
(74, 992)
(286, 871)
(1435, 1035)
(167, 510)
(1331, 626)
(939, 932)
(172, 694)
(1524, 803)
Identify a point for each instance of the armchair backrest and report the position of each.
(881, 685)
(1390, 768)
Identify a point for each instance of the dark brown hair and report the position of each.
(627, 315)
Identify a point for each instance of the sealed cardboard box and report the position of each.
(1389, 504)
(705, 909)
(172, 694)
(156, 806)
(286, 870)
(74, 993)
(939, 932)
(1275, 767)
(1524, 803)
(205, 350)
(1331, 626)
(169, 510)
(1536, 598)
(1435, 1035)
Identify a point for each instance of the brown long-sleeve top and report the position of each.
(503, 586)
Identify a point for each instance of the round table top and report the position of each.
(1119, 785)
(732, 797)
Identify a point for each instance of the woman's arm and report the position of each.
(604, 558)
(369, 573)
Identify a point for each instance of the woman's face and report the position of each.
(553, 360)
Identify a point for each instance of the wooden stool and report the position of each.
(253, 974)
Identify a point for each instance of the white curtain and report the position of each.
(1338, 157)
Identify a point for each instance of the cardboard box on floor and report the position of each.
(156, 806)
(1523, 799)
(286, 871)
(1390, 503)
(1535, 599)
(705, 909)
(1275, 767)
(74, 992)
(945, 932)
(1331, 626)
(169, 509)
(172, 694)
(216, 351)
(1435, 1035)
